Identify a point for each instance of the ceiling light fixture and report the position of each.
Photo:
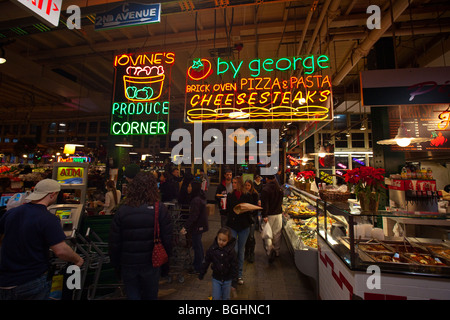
(322, 152)
(363, 125)
(124, 144)
(2, 55)
(403, 138)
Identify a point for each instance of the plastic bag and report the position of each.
(16, 200)
(266, 232)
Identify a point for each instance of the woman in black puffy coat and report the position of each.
(131, 238)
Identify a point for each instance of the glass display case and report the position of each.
(300, 228)
(360, 241)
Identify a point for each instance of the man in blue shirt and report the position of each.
(27, 233)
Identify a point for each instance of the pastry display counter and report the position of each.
(356, 260)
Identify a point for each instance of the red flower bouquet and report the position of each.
(306, 176)
(368, 183)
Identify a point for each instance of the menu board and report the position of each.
(422, 121)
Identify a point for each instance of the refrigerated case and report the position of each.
(356, 260)
(299, 229)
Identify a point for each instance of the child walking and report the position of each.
(224, 264)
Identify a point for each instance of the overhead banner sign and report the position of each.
(141, 93)
(405, 86)
(219, 90)
(46, 10)
(128, 14)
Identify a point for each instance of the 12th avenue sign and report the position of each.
(128, 14)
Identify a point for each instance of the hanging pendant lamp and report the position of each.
(403, 138)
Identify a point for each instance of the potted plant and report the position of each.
(305, 178)
(368, 186)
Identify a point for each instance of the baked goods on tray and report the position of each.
(425, 259)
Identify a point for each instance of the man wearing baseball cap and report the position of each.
(27, 232)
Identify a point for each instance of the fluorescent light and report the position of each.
(124, 145)
(352, 152)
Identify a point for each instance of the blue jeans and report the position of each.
(141, 283)
(221, 289)
(197, 246)
(241, 239)
(38, 289)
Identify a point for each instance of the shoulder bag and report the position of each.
(159, 254)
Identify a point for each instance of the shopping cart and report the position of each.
(181, 258)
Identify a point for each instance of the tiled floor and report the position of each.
(262, 281)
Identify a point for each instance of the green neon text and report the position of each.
(309, 64)
(139, 128)
(140, 108)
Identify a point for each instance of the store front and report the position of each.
(306, 91)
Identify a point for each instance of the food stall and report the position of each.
(357, 261)
(357, 253)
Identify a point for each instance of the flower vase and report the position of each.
(369, 202)
(307, 187)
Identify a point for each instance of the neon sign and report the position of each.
(141, 93)
(70, 175)
(258, 90)
(74, 159)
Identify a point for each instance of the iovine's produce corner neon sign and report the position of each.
(219, 90)
(141, 93)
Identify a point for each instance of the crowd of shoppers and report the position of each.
(23, 272)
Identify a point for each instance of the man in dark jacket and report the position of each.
(27, 232)
(221, 196)
(271, 202)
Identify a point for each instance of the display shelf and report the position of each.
(352, 247)
(299, 229)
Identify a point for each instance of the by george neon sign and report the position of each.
(141, 93)
(258, 90)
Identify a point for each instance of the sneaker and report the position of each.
(272, 255)
(240, 281)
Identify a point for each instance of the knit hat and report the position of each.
(43, 188)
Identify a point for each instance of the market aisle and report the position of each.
(279, 281)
